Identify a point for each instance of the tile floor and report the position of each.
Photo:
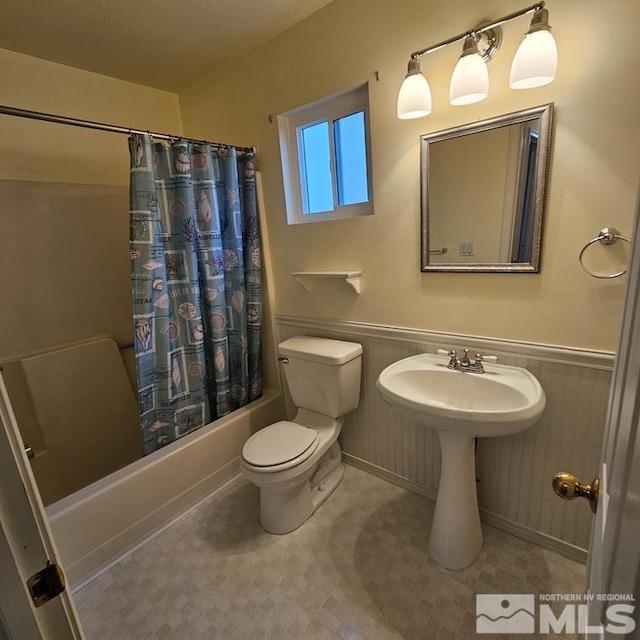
(358, 569)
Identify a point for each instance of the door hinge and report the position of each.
(46, 584)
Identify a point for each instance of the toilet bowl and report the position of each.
(297, 464)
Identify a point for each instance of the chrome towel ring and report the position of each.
(607, 236)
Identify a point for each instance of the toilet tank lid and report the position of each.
(320, 349)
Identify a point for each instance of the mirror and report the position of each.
(483, 193)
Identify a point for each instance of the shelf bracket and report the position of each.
(352, 278)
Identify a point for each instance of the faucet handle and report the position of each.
(477, 367)
(481, 358)
(453, 357)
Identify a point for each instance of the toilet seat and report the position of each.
(280, 446)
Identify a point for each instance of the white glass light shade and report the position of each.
(469, 81)
(414, 98)
(535, 62)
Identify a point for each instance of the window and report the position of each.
(326, 159)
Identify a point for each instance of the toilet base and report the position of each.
(284, 511)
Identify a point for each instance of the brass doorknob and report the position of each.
(568, 487)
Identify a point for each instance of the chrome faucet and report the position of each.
(465, 365)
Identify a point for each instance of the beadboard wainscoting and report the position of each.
(514, 472)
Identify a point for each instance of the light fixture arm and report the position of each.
(487, 27)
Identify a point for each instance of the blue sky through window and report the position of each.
(351, 159)
(350, 163)
(317, 188)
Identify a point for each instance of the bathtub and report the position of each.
(99, 523)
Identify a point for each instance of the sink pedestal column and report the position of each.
(456, 537)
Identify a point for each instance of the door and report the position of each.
(26, 546)
(614, 554)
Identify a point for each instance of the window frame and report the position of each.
(328, 110)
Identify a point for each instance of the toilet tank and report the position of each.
(322, 375)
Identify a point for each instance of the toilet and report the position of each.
(298, 464)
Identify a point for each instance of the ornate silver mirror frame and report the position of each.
(520, 237)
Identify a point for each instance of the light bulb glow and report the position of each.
(535, 62)
(414, 98)
(469, 81)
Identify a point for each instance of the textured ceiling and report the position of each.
(168, 44)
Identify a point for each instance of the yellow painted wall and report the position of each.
(46, 152)
(594, 172)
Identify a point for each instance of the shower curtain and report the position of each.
(196, 280)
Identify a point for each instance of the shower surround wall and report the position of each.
(64, 246)
(65, 190)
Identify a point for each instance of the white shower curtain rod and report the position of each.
(87, 124)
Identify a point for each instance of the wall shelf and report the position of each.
(352, 278)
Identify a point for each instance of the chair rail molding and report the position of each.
(539, 351)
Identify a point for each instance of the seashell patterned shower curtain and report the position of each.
(196, 280)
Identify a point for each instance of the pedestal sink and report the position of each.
(462, 406)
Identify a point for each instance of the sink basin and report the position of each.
(501, 401)
(462, 407)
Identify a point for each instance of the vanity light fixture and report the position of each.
(534, 64)
(470, 78)
(414, 99)
(536, 59)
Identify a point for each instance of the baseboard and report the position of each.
(498, 522)
(389, 476)
(531, 535)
